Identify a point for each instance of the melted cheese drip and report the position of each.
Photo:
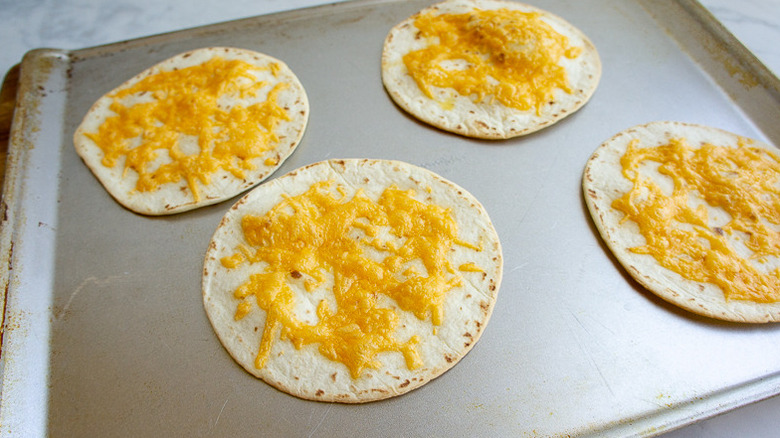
(171, 106)
(743, 182)
(507, 55)
(397, 247)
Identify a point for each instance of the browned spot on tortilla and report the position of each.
(448, 358)
(319, 393)
(404, 384)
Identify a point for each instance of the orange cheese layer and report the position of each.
(365, 251)
(154, 116)
(506, 55)
(743, 182)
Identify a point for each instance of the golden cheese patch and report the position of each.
(367, 252)
(509, 56)
(182, 124)
(741, 186)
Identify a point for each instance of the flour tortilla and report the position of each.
(486, 120)
(603, 182)
(176, 197)
(306, 373)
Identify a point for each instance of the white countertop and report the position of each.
(74, 24)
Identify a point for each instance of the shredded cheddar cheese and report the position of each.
(505, 55)
(470, 267)
(153, 119)
(743, 182)
(396, 247)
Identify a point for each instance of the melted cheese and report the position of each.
(367, 251)
(155, 118)
(742, 182)
(507, 55)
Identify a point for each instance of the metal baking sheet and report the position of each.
(105, 334)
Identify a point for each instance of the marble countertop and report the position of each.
(74, 24)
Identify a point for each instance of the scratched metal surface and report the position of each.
(105, 332)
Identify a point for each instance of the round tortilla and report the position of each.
(486, 120)
(603, 182)
(176, 197)
(305, 372)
